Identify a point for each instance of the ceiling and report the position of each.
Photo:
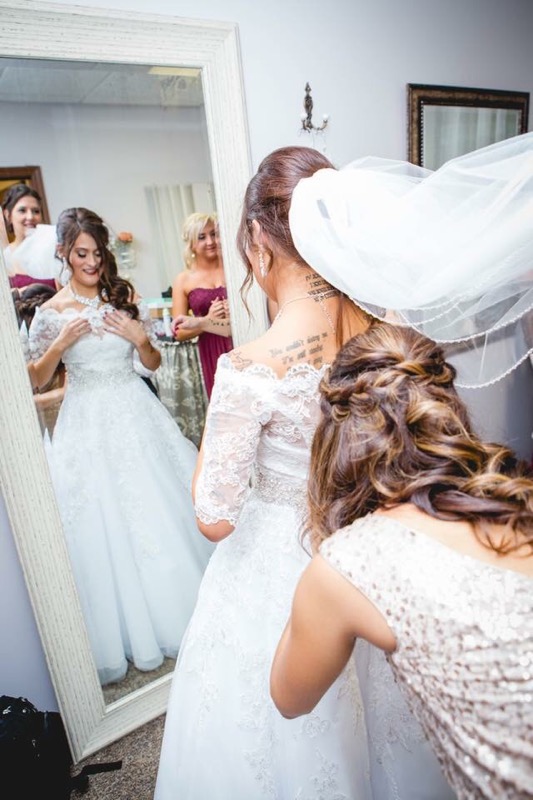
(86, 83)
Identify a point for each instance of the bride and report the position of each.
(223, 736)
(121, 468)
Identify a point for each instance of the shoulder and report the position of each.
(266, 351)
(182, 281)
(59, 302)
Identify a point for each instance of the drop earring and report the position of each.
(262, 266)
(66, 272)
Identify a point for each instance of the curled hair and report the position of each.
(393, 430)
(192, 228)
(15, 193)
(268, 199)
(112, 288)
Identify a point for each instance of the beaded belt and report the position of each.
(92, 378)
(274, 489)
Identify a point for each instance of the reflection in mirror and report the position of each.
(130, 143)
(449, 121)
(29, 31)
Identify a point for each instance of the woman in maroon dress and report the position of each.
(199, 297)
(22, 211)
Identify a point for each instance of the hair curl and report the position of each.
(393, 430)
(115, 290)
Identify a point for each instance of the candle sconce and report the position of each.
(307, 115)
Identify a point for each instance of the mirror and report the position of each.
(29, 31)
(449, 121)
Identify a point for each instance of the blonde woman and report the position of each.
(201, 289)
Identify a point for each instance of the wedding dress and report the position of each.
(223, 736)
(122, 474)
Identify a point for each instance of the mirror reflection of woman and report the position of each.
(201, 289)
(22, 211)
(121, 468)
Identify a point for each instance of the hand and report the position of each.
(72, 331)
(219, 309)
(123, 325)
(186, 322)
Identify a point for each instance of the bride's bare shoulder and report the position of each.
(279, 352)
(59, 302)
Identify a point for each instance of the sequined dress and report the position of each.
(464, 656)
(122, 474)
(223, 736)
(210, 345)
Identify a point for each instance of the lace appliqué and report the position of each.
(246, 406)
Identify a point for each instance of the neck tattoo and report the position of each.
(92, 302)
(318, 298)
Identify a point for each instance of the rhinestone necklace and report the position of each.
(92, 302)
(317, 297)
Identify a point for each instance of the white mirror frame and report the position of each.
(37, 30)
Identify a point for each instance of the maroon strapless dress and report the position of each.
(19, 281)
(210, 345)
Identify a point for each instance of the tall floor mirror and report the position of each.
(118, 113)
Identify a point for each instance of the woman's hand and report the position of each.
(186, 322)
(71, 332)
(219, 309)
(123, 325)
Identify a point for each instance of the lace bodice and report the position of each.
(464, 656)
(94, 358)
(259, 430)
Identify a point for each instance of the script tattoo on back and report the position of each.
(310, 349)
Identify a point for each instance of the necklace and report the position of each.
(92, 302)
(317, 298)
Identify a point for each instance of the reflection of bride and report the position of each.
(121, 468)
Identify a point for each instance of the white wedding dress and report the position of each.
(224, 738)
(122, 474)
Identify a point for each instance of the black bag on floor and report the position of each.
(35, 759)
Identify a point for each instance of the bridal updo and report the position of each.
(393, 430)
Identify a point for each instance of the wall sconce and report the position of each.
(307, 115)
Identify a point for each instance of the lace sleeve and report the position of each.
(25, 341)
(233, 426)
(146, 322)
(45, 327)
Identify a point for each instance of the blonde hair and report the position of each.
(192, 228)
(394, 430)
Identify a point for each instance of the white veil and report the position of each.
(449, 252)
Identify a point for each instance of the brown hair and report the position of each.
(115, 290)
(11, 197)
(394, 430)
(30, 299)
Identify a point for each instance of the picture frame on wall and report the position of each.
(448, 121)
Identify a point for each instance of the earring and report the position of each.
(262, 266)
(66, 272)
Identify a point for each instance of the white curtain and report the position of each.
(168, 208)
(450, 131)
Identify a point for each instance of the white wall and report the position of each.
(358, 57)
(102, 157)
